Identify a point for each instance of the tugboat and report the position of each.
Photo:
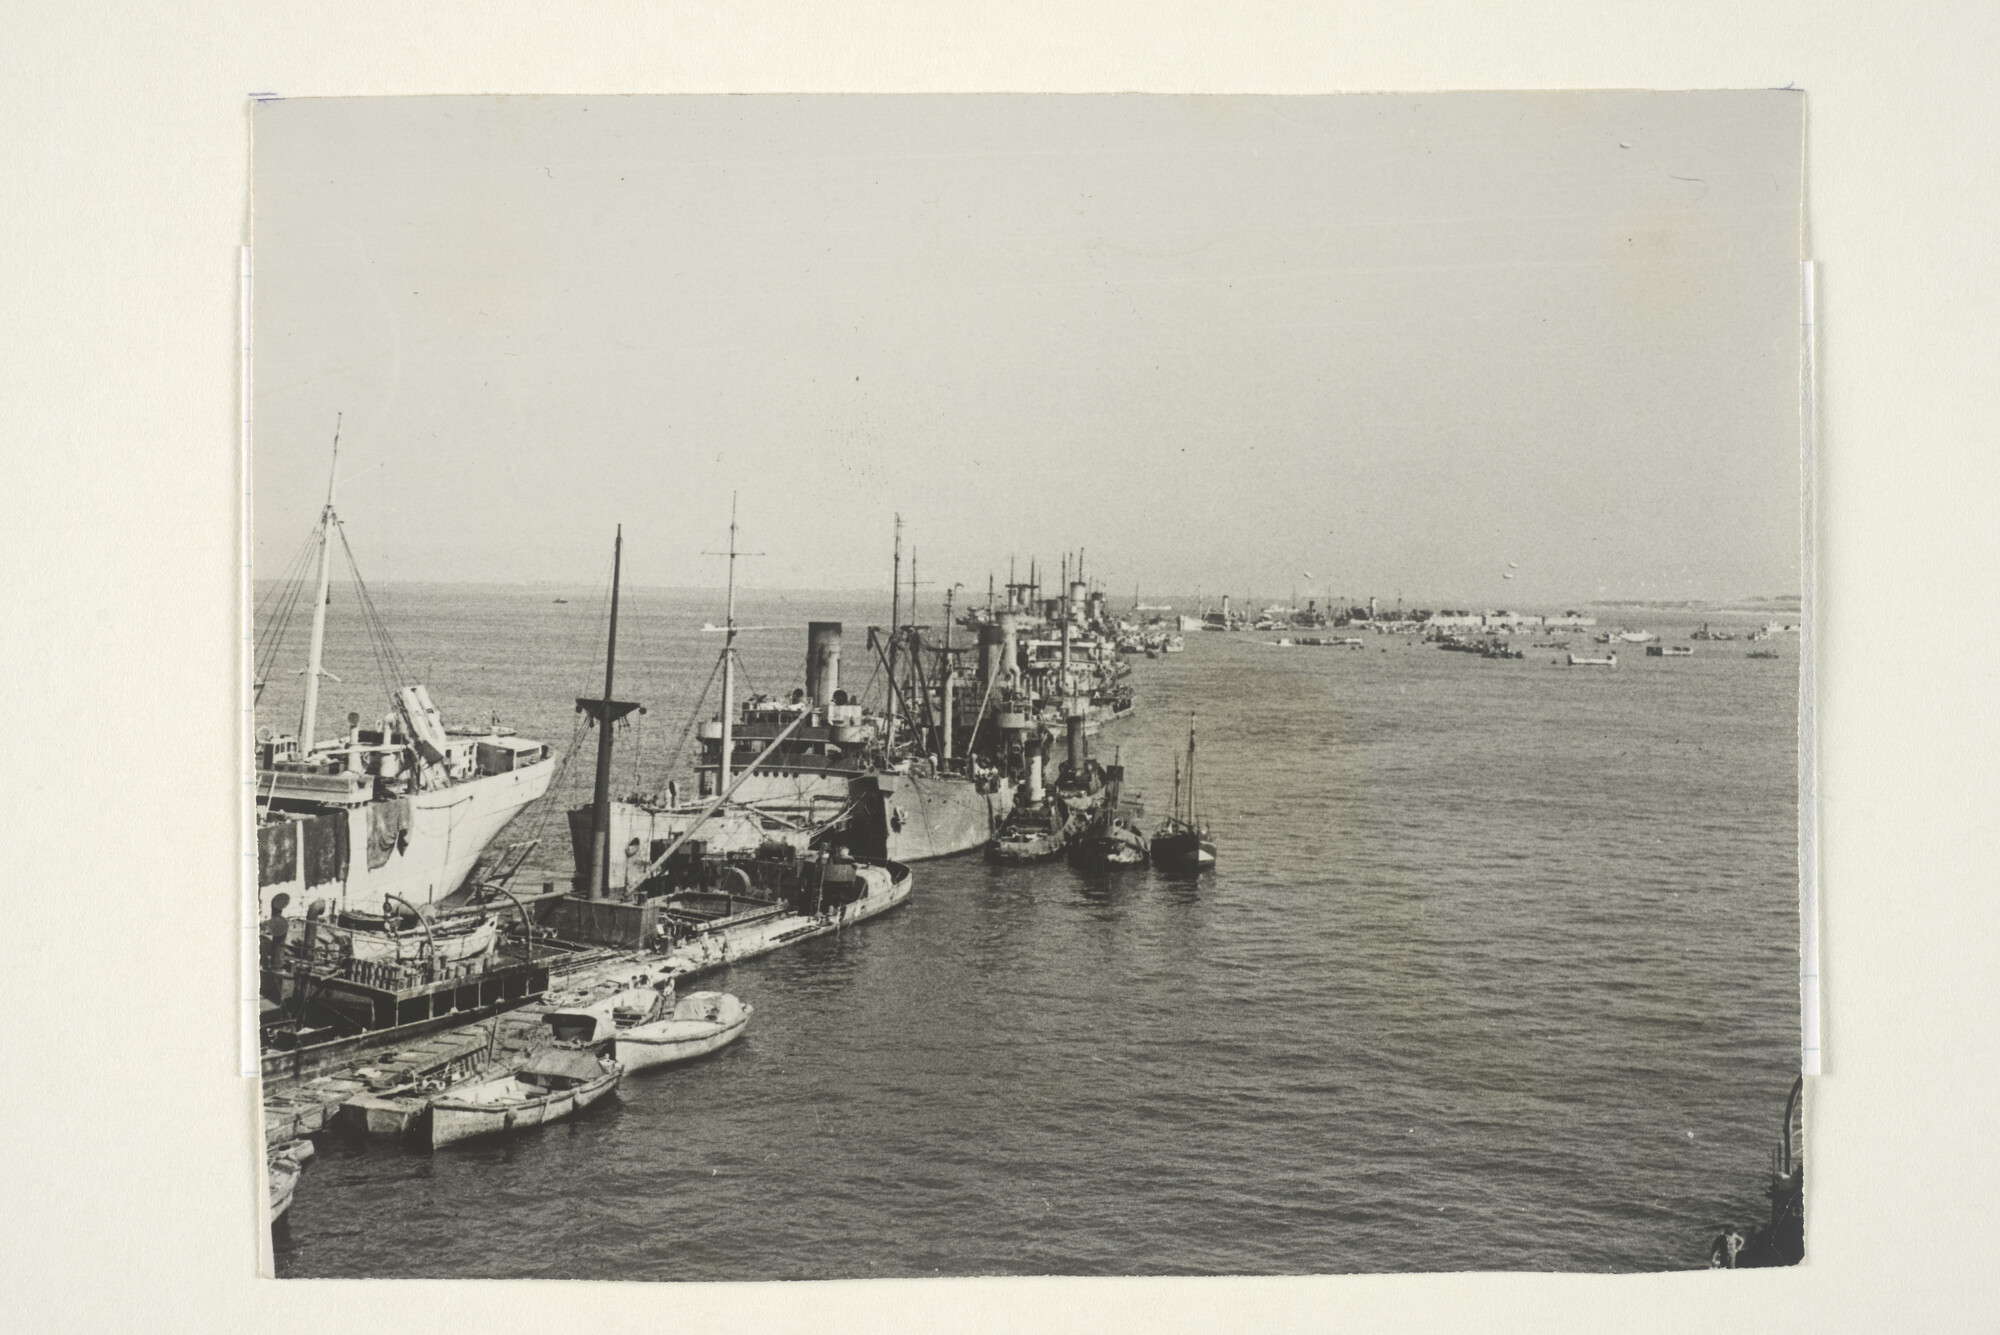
(1182, 843)
(1117, 842)
(1046, 824)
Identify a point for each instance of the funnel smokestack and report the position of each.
(991, 646)
(1076, 747)
(822, 661)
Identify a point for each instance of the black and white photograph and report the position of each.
(891, 686)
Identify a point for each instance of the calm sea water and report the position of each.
(1498, 970)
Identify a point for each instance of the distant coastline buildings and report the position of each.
(1459, 618)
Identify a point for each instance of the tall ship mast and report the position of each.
(380, 819)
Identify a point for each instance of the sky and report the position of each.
(1466, 349)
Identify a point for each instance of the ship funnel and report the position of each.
(1034, 749)
(991, 663)
(822, 662)
(1076, 744)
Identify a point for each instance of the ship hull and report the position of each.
(456, 1119)
(640, 833)
(911, 818)
(446, 831)
(883, 817)
(677, 1040)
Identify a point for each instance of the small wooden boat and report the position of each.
(555, 1083)
(283, 1179)
(382, 939)
(597, 1022)
(1182, 843)
(281, 1175)
(699, 1023)
(1576, 660)
(1762, 653)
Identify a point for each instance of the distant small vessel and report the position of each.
(554, 1084)
(1669, 651)
(1762, 653)
(1636, 636)
(1610, 660)
(700, 1023)
(562, 600)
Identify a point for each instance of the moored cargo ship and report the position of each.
(384, 819)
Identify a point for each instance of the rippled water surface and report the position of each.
(1498, 970)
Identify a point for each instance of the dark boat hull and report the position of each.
(1043, 845)
(1183, 850)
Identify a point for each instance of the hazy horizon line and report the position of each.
(848, 590)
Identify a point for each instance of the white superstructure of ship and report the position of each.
(384, 818)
